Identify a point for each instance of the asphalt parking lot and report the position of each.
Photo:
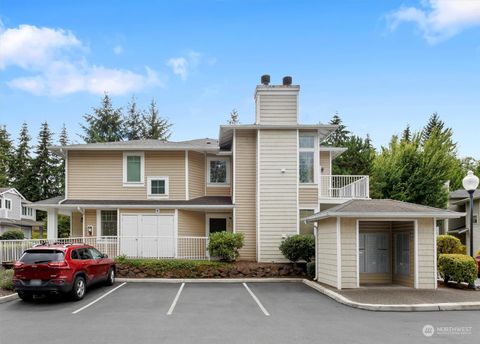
(218, 313)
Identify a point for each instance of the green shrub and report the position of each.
(225, 245)
(477, 254)
(298, 247)
(448, 244)
(6, 279)
(458, 268)
(12, 234)
(311, 269)
(168, 265)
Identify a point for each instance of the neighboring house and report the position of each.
(378, 242)
(459, 200)
(16, 213)
(258, 179)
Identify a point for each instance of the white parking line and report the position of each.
(98, 299)
(175, 300)
(256, 300)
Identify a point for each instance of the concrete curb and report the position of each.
(8, 298)
(426, 307)
(209, 280)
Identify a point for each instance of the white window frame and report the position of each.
(149, 187)
(10, 202)
(209, 216)
(99, 223)
(316, 157)
(141, 183)
(227, 179)
(28, 211)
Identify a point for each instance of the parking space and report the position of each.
(215, 312)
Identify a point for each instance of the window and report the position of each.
(8, 204)
(373, 252)
(44, 256)
(84, 254)
(27, 211)
(306, 228)
(108, 223)
(218, 171)
(217, 225)
(157, 187)
(95, 253)
(133, 169)
(306, 158)
(402, 253)
(74, 255)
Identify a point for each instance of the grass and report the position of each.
(6, 279)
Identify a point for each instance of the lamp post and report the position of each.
(470, 183)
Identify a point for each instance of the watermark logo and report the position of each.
(429, 330)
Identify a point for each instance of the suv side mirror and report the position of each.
(104, 255)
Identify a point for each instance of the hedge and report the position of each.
(225, 245)
(457, 267)
(12, 234)
(298, 247)
(166, 265)
(448, 244)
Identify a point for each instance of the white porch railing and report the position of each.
(183, 247)
(348, 187)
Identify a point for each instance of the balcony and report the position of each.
(344, 187)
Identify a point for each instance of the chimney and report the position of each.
(287, 81)
(265, 79)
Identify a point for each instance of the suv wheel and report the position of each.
(110, 277)
(25, 297)
(79, 288)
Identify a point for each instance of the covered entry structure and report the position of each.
(377, 242)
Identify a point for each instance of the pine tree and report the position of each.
(22, 163)
(6, 154)
(60, 175)
(407, 134)
(156, 127)
(43, 167)
(340, 136)
(434, 122)
(234, 117)
(105, 124)
(134, 126)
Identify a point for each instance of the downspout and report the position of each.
(315, 233)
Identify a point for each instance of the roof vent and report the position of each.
(287, 81)
(209, 142)
(265, 79)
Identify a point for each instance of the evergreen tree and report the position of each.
(22, 164)
(234, 117)
(434, 122)
(156, 127)
(6, 153)
(134, 126)
(357, 159)
(340, 136)
(105, 124)
(44, 168)
(60, 162)
(407, 134)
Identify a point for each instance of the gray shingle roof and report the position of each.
(377, 208)
(54, 200)
(20, 223)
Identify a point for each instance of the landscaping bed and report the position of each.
(6, 284)
(154, 268)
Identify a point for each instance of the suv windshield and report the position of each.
(41, 256)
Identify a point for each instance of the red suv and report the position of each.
(61, 269)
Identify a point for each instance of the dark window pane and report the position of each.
(158, 187)
(108, 223)
(218, 225)
(306, 228)
(218, 171)
(44, 256)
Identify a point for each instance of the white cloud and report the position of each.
(439, 20)
(183, 65)
(118, 49)
(56, 60)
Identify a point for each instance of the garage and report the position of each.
(148, 235)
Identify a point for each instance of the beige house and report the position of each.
(378, 242)
(163, 199)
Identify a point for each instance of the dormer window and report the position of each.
(133, 169)
(218, 170)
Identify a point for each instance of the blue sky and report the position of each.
(380, 64)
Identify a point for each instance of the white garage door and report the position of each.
(149, 235)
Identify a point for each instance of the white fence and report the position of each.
(183, 247)
(344, 187)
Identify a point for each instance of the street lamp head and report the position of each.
(470, 182)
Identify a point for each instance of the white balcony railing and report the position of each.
(183, 247)
(344, 187)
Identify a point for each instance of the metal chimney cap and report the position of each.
(287, 81)
(265, 79)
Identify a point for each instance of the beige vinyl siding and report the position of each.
(277, 191)
(91, 220)
(196, 174)
(77, 226)
(219, 191)
(308, 195)
(327, 252)
(245, 191)
(349, 252)
(404, 226)
(426, 254)
(325, 163)
(277, 109)
(377, 227)
(99, 174)
(191, 223)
